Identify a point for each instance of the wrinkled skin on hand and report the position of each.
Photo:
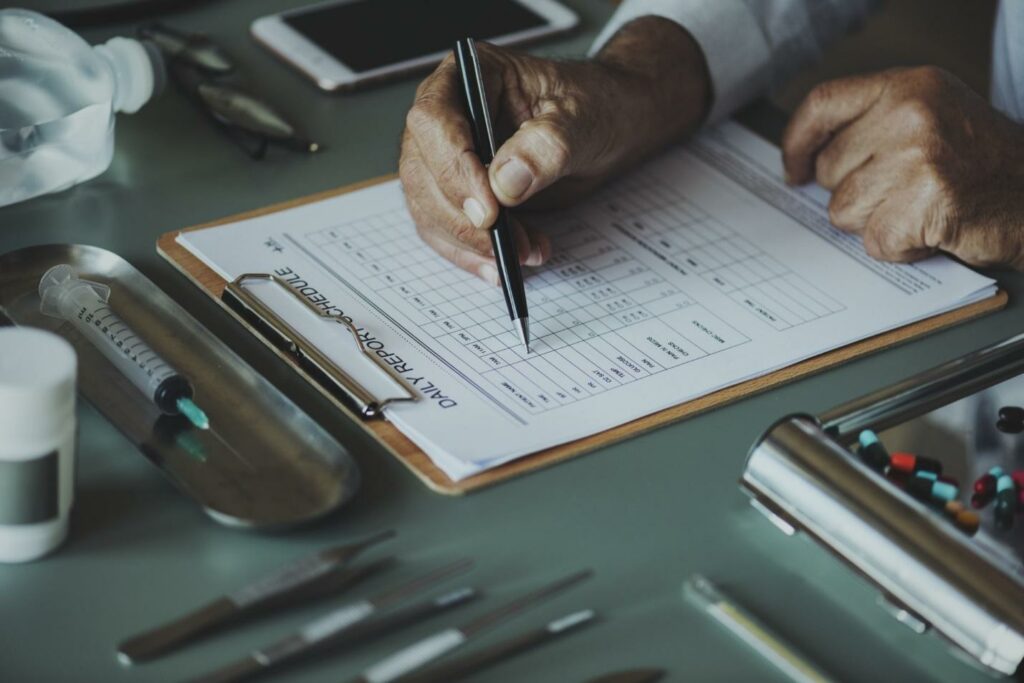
(569, 125)
(917, 163)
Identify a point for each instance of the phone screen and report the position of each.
(367, 34)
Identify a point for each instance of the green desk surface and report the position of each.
(645, 514)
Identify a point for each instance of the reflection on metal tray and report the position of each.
(263, 464)
(970, 590)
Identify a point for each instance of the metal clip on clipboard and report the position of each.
(311, 360)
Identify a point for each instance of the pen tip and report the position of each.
(523, 326)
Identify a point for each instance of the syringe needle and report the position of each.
(194, 413)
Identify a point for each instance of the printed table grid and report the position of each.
(688, 239)
(599, 318)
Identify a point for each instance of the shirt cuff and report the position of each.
(727, 31)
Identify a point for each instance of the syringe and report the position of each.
(84, 304)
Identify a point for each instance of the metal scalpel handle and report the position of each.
(154, 643)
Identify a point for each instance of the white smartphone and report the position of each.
(341, 44)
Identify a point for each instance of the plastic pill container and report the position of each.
(37, 441)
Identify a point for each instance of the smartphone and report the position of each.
(342, 44)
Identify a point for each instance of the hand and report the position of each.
(572, 125)
(917, 162)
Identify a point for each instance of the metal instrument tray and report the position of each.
(803, 475)
(263, 464)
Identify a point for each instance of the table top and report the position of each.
(645, 514)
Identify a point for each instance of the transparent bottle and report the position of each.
(58, 98)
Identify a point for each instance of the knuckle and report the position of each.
(450, 173)
(935, 189)
(464, 233)
(871, 245)
(824, 166)
(410, 176)
(930, 181)
(411, 172)
(916, 160)
(573, 103)
(942, 222)
(427, 107)
(419, 117)
(890, 243)
(839, 209)
(875, 238)
(918, 115)
(821, 95)
(930, 78)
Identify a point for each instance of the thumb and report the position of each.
(543, 150)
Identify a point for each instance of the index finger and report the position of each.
(440, 130)
(826, 110)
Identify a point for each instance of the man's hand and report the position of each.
(917, 162)
(570, 125)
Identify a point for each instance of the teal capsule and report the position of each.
(922, 487)
(926, 474)
(945, 491)
(872, 452)
(1006, 501)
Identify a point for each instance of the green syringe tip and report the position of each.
(194, 413)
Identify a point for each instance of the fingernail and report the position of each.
(474, 210)
(535, 258)
(488, 273)
(513, 178)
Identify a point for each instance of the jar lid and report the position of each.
(37, 382)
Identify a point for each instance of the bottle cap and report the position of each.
(37, 421)
(139, 72)
(37, 388)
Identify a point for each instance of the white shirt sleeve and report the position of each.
(750, 45)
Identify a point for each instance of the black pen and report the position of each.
(505, 253)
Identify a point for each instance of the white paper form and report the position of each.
(697, 271)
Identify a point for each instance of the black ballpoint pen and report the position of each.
(505, 253)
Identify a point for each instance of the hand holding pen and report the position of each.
(453, 196)
(564, 127)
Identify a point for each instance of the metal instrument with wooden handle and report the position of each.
(324, 573)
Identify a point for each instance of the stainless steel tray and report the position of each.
(969, 590)
(263, 464)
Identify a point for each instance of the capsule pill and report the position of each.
(908, 462)
(872, 452)
(985, 487)
(926, 489)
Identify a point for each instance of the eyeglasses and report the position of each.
(208, 76)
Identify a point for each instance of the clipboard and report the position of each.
(354, 402)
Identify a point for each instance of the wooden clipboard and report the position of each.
(417, 461)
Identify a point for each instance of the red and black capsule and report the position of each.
(910, 463)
